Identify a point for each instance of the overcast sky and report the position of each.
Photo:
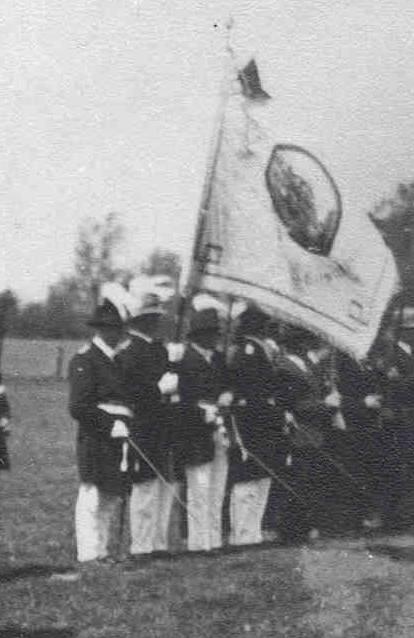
(107, 105)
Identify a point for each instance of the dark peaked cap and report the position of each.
(250, 81)
(251, 321)
(295, 336)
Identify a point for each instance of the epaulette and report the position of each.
(84, 349)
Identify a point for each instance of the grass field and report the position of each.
(35, 358)
(356, 588)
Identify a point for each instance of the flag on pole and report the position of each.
(248, 245)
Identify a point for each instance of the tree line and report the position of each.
(71, 299)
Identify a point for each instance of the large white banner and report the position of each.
(245, 250)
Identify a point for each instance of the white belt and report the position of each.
(243, 402)
(115, 410)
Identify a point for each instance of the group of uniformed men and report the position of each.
(260, 436)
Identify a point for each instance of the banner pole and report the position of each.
(196, 259)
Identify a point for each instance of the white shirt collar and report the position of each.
(313, 357)
(206, 353)
(405, 347)
(141, 335)
(298, 362)
(103, 347)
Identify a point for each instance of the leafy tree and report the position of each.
(65, 316)
(32, 321)
(162, 262)
(395, 219)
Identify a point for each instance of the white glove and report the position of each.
(333, 400)
(168, 384)
(119, 430)
(373, 401)
(225, 399)
(175, 352)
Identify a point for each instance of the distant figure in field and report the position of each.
(99, 403)
(4, 427)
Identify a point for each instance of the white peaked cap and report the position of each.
(140, 287)
(118, 296)
(204, 300)
(146, 299)
(160, 285)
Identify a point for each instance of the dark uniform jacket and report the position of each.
(199, 381)
(4, 413)
(95, 379)
(399, 388)
(305, 388)
(143, 364)
(356, 382)
(366, 440)
(397, 415)
(311, 473)
(260, 402)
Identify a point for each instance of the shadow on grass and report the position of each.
(19, 632)
(30, 571)
(395, 553)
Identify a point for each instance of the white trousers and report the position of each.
(94, 514)
(206, 486)
(248, 502)
(150, 509)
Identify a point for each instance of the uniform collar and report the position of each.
(206, 353)
(313, 357)
(104, 348)
(137, 333)
(298, 361)
(405, 347)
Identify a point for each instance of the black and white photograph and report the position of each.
(207, 319)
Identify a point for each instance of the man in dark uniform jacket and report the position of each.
(4, 427)
(100, 405)
(203, 381)
(259, 412)
(145, 372)
(396, 417)
(361, 385)
(311, 407)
